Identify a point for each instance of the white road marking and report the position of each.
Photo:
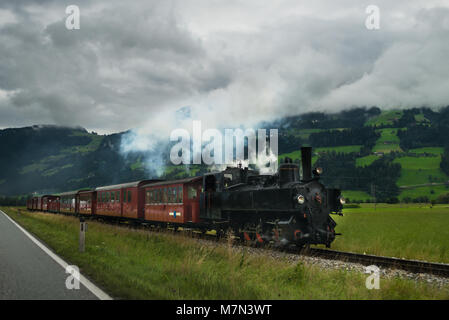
(100, 294)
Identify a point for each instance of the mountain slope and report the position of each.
(391, 154)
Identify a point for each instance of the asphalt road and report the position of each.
(27, 272)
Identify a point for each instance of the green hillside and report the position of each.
(420, 153)
(388, 141)
(392, 155)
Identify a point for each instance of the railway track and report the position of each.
(415, 266)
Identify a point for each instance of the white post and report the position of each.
(83, 227)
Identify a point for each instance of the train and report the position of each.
(283, 209)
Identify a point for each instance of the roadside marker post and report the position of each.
(83, 229)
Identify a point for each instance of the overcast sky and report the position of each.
(133, 63)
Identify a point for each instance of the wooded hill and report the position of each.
(390, 155)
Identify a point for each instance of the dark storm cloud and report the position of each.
(133, 64)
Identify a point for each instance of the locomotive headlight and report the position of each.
(318, 171)
(300, 199)
(342, 200)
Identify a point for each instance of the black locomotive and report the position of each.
(283, 208)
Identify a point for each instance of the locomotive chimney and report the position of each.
(306, 162)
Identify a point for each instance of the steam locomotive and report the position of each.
(280, 209)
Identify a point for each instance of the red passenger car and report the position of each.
(30, 204)
(122, 200)
(173, 201)
(34, 203)
(87, 202)
(53, 204)
(50, 203)
(39, 203)
(68, 202)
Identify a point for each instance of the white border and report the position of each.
(100, 294)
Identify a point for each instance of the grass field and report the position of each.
(412, 172)
(432, 150)
(386, 117)
(424, 191)
(134, 264)
(355, 195)
(421, 118)
(339, 149)
(366, 161)
(405, 230)
(388, 141)
(388, 135)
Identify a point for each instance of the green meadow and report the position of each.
(388, 141)
(339, 149)
(431, 192)
(365, 161)
(412, 172)
(138, 264)
(385, 118)
(356, 195)
(432, 150)
(411, 231)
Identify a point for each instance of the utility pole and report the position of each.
(373, 194)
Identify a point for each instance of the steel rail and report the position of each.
(415, 266)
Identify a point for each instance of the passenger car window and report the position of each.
(129, 195)
(192, 193)
(168, 195)
(180, 194)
